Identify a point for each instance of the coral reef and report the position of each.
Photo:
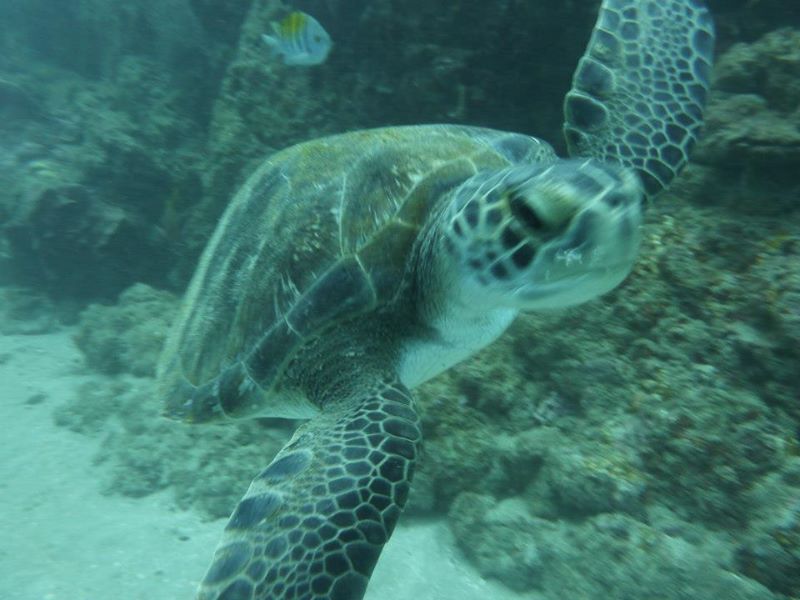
(752, 137)
(67, 241)
(770, 552)
(100, 135)
(143, 453)
(615, 553)
(650, 437)
(127, 336)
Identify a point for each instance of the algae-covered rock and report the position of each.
(143, 453)
(126, 337)
(205, 467)
(769, 68)
(500, 538)
(745, 127)
(470, 418)
(615, 556)
(95, 404)
(705, 461)
(752, 127)
(593, 480)
(68, 241)
(771, 560)
(778, 269)
(100, 126)
(769, 552)
(607, 556)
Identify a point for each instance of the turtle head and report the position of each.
(544, 236)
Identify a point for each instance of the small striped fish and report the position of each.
(299, 39)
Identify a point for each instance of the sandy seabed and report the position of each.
(63, 540)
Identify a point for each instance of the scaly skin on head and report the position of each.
(542, 236)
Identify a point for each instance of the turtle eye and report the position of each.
(614, 200)
(524, 213)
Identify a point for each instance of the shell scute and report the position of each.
(344, 289)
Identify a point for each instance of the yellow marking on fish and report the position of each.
(293, 24)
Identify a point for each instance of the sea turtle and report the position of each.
(349, 269)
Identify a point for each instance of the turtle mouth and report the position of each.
(573, 286)
(590, 259)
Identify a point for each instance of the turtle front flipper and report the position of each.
(639, 91)
(313, 523)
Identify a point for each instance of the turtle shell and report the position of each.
(321, 232)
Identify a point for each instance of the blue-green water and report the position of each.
(644, 444)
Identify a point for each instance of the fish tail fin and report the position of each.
(271, 41)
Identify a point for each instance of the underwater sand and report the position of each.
(63, 540)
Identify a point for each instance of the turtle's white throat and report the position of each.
(460, 334)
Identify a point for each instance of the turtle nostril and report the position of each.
(523, 212)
